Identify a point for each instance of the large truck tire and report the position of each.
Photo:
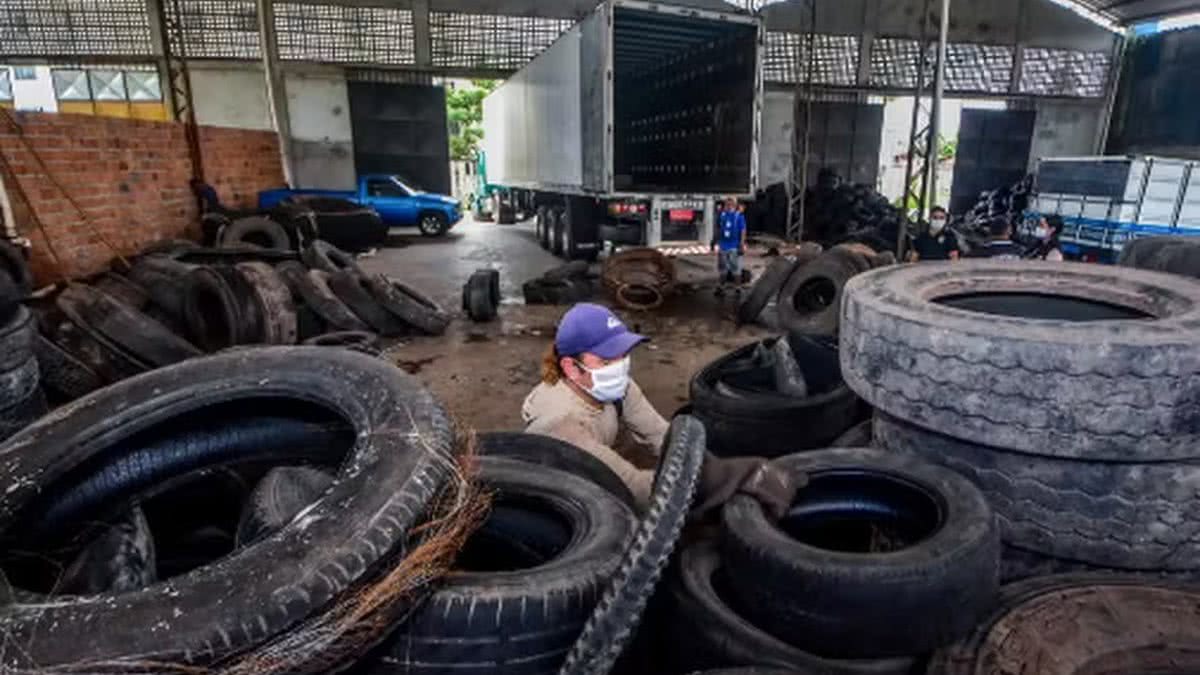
(706, 630)
(873, 540)
(353, 289)
(255, 231)
(811, 298)
(556, 234)
(549, 451)
(529, 578)
(1070, 624)
(311, 287)
(388, 480)
(409, 304)
(1073, 361)
(1129, 515)
(766, 287)
(275, 303)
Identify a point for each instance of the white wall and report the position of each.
(775, 145)
(230, 96)
(322, 141)
(36, 94)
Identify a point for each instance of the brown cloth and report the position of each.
(723, 477)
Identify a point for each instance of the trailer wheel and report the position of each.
(539, 226)
(556, 243)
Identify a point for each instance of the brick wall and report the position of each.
(130, 178)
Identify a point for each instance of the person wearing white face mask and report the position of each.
(937, 242)
(587, 396)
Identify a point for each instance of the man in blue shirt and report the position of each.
(729, 240)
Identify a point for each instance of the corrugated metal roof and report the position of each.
(1134, 11)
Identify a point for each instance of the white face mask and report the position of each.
(936, 225)
(1042, 233)
(610, 382)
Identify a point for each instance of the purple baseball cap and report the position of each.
(587, 327)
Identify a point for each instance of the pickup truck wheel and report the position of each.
(432, 224)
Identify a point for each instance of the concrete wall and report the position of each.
(129, 177)
(322, 142)
(1064, 129)
(775, 145)
(233, 95)
(37, 94)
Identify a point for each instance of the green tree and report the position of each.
(464, 111)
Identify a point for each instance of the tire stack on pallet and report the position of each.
(179, 301)
(807, 288)
(1068, 393)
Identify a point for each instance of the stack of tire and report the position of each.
(807, 288)
(774, 397)
(481, 295)
(1069, 394)
(179, 301)
(882, 559)
(837, 212)
(563, 285)
(297, 222)
(21, 398)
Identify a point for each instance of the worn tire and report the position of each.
(810, 300)
(250, 317)
(477, 296)
(353, 289)
(141, 339)
(860, 435)
(12, 260)
(63, 375)
(255, 231)
(163, 280)
(122, 289)
(212, 311)
(408, 304)
(766, 287)
(321, 255)
(706, 631)
(1120, 390)
(523, 620)
(311, 287)
(1141, 253)
(568, 271)
(21, 397)
(388, 480)
(17, 339)
(1138, 516)
(277, 498)
(359, 341)
(768, 424)
(549, 451)
(1071, 624)
(616, 617)
(545, 292)
(852, 602)
(275, 303)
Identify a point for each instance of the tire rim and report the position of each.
(639, 296)
(430, 225)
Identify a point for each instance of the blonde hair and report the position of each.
(551, 368)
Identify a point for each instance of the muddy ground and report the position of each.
(482, 372)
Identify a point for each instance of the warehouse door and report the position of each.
(844, 137)
(993, 153)
(401, 129)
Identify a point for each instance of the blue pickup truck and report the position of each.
(396, 203)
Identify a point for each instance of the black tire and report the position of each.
(142, 339)
(549, 451)
(388, 480)
(12, 261)
(122, 289)
(361, 341)
(21, 397)
(570, 250)
(1141, 253)
(1129, 515)
(433, 224)
(321, 255)
(312, 288)
(1105, 386)
(544, 292)
(249, 313)
(232, 255)
(212, 311)
(809, 301)
(477, 295)
(706, 631)
(547, 228)
(281, 494)
(10, 296)
(1180, 257)
(275, 304)
(103, 355)
(354, 290)
(408, 304)
(163, 280)
(256, 231)
(64, 377)
(17, 339)
(765, 288)
(833, 593)
(1067, 624)
(565, 536)
(567, 272)
(539, 224)
(861, 435)
(616, 617)
(766, 424)
(556, 234)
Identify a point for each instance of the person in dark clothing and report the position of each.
(936, 242)
(207, 195)
(1048, 232)
(1000, 245)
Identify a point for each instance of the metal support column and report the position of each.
(798, 182)
(935, 112)
(177, 87)
(1110, 95)
(422, 36)
(276, 89)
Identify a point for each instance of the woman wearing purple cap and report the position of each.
(586, 396)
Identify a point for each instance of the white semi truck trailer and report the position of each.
(630, 127)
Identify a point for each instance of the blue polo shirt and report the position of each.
(729, 230)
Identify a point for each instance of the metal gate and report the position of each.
(993, 153)
(845, 137)
(401, 129)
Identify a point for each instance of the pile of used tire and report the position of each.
(21, 396)
(1007, 202)
(806, 289)
(837, 212)
(179, 300)
(298, 222)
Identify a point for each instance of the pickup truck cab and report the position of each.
(397, 204)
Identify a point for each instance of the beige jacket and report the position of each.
(556, 410)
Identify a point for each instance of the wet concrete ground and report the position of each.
(483, 372)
